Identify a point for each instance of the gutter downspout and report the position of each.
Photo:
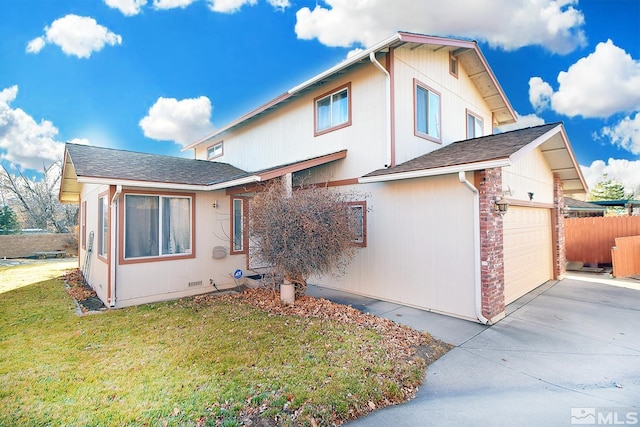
(389, 136)
(476, 246)
(114, 247)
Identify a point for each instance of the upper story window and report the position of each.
(214, 151)
(475, 127)
(333, 110)
(453, 65)
(158, 225)
(427, 112)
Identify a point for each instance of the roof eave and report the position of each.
(422, 173)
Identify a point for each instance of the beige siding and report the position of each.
(287, 134)
(530, 173)
(528, 257)
(456, 95)
(153, 281)
(98, 269)
(419, 247)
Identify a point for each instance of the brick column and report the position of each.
(489, 182)
(559, 256)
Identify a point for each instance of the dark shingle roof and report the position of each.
(96, 162)
(492, 147)
(580, 205)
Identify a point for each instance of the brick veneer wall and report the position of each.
(560, 255)
(24, 245)
(489, 182)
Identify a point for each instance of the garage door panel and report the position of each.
(528, 256)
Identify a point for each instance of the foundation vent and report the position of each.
(198, 283)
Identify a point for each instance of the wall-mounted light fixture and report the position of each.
(501, 206)
(215, 204)
(530, 195)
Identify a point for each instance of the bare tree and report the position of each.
(38, 199)
(310, 231)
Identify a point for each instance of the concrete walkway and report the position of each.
(567, 353)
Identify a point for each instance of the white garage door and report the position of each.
(528, 250)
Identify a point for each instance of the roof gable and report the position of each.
(498, 150)
(467, 51)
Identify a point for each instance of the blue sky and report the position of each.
(155, 75)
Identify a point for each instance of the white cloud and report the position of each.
(540, 93)
(554, 25)
(625, 134)
(599, 85)
(181, 121)
(36, 45)
(229, 6)
(127, 7)
(522, 122)
(279, 4)
(75, 35)
(23, 141)
(627, 172)
(171, 4)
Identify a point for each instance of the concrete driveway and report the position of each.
(567, 353)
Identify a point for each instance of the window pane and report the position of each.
(323, 113)
(434, 115)
(421, 110)
(103, 225)
(237, 225)
(141, 226)
(358, 218)
(477, 131)
(176, 225)
(214, 151)
(340, 108)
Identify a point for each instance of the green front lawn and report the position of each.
(198, 362)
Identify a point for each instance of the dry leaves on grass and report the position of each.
(402, 342)
(77, 289)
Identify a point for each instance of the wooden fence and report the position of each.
(590, 240)
(626, 256)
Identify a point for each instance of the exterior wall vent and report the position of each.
(198, 283)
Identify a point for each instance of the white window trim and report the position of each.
(214, 147)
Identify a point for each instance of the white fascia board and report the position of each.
(435, 172)
(346, 63)
(536, 143)
(146, 184)
(170, 186)
(240, 181)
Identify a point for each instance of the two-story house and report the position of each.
(408, 123)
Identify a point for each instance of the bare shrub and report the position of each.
(310, 231)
